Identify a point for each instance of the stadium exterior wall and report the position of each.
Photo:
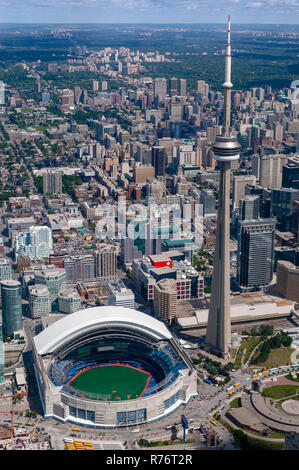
(56, 405)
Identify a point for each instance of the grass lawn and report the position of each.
(280, 391)
(277, 357)
(113, 382)
(246, 347)
(249, 344)
(236, 403)
(256, 444)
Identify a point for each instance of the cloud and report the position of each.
(255, 4)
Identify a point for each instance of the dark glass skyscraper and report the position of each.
(282, 207)
(1, 357)
(159, 160)
(256, 253)
(11, 307)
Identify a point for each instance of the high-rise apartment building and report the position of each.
(80, 268)
(106, 262)
(37, 243)
(11, 307)
(165, 299)
(255, 253)
(52, 182)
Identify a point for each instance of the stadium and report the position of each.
(111, 367)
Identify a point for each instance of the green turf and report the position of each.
(111, 382)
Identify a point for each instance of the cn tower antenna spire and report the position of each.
(227, 85)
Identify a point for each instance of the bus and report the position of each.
(76, 429)
(265, 372)
(237, 384)
(295, 366)
(213, 422)
(229, 388)
(254, 376)
(231, 392)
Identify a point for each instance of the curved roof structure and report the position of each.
(83, 321)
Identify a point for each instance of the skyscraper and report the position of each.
(165, 299)
(239, 185)
(106, 262)
(160, 88)
(255, 253)
(282, 207)
(1, 357)
(182, 87)
(226, 149)
(173, 86)
(11, 307)
(249, 207)
(37, 243)
(159, 160)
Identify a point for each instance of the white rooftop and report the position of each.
(76, 324)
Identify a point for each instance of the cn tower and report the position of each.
(226, 149)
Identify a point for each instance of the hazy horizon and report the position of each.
(149, 11)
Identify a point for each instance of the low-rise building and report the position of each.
(119, 295)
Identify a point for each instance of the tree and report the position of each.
(266, 330)
(241, 438)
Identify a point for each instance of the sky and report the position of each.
(149, 11)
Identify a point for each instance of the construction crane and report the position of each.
(12, 412)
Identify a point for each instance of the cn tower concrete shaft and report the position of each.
(218, 335)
